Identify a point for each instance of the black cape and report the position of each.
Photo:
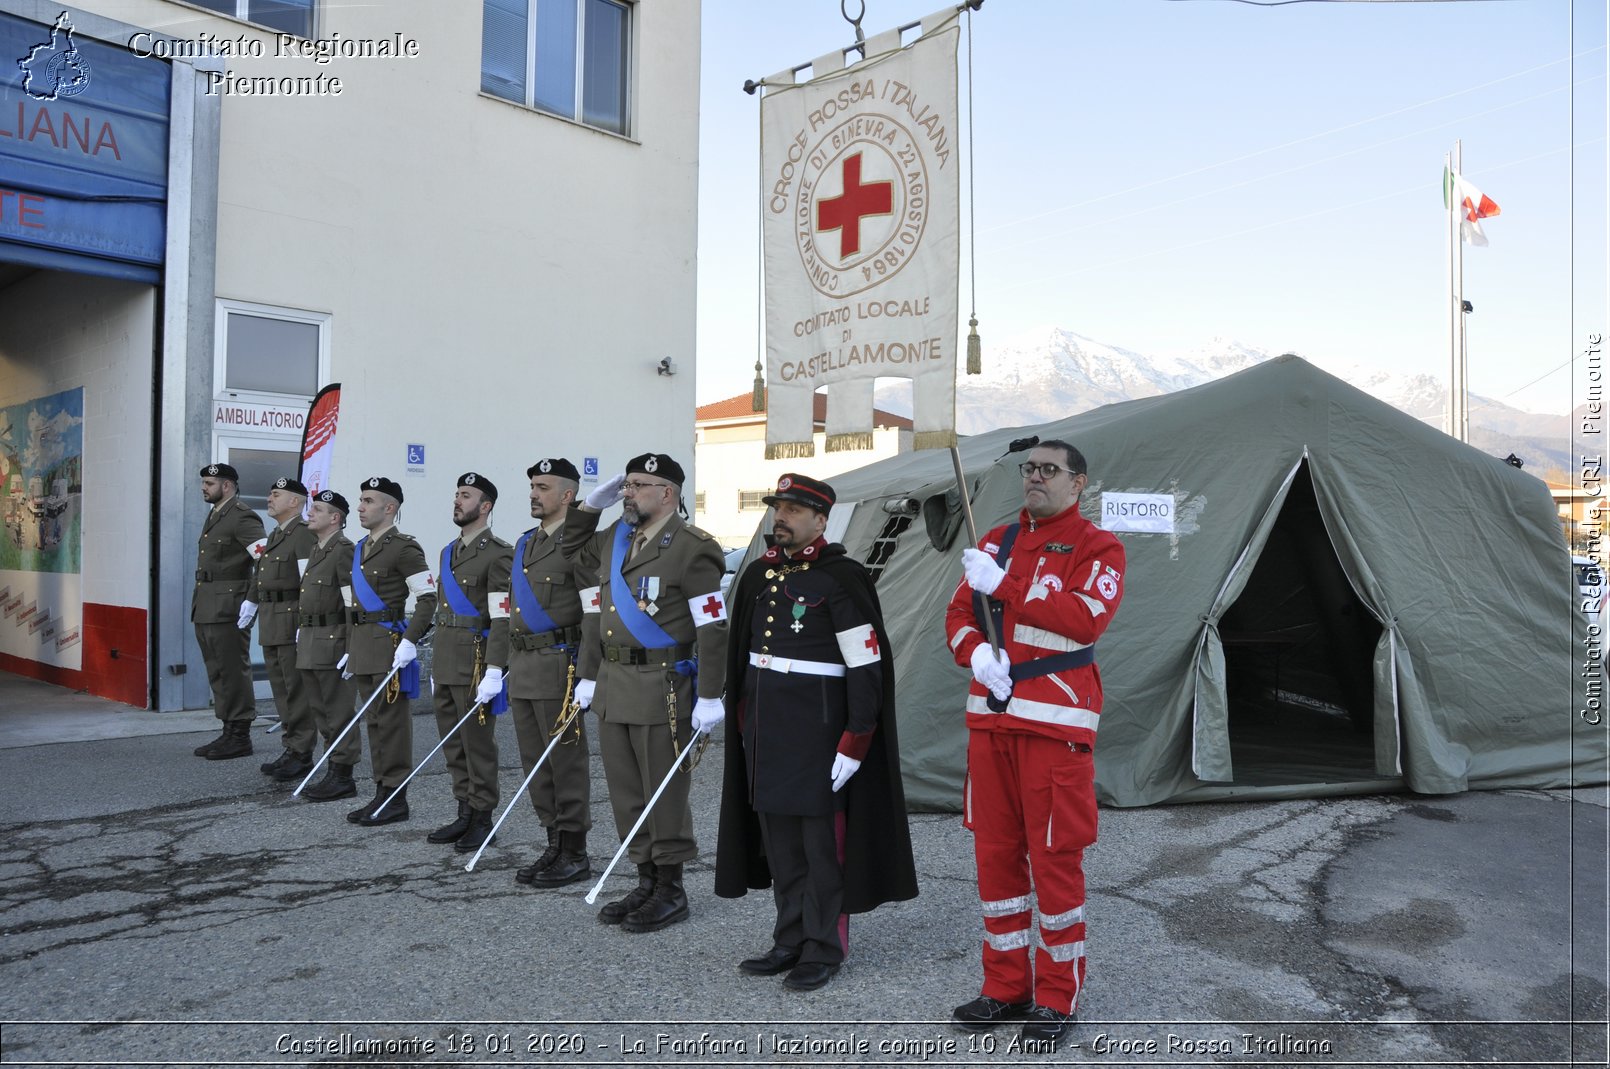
(878, 865)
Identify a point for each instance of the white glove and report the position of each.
(993, 670)
(708, 714)
(407, 652)
(491, 686)
(983, 574)
(843, 769)
(248, 613)
(342, 664)
(583, 695)
(607, 494)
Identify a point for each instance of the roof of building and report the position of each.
(740, 409)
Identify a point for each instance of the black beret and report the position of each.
(479, 482)
(384, 486)
(803, 490)
(220, 471)
(554, 466)
(658, 465)
(330, 497)
(285, 482)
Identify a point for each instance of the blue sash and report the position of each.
(531, 611)
(408, 677)
(649, 634)
(461, 605)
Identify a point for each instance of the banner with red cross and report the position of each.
(861, 226)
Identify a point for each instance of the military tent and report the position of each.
(1349, 601)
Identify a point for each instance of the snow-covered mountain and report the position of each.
(1052, 373)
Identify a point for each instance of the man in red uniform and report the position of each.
(1052, 580)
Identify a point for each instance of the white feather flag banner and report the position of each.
(860, 199)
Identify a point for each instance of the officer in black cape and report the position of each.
(812, 803)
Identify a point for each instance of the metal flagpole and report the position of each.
(426, 761)
(564, 726)
(1450, 232)
(972, 540)
(1462, 426)
(592, 896)
(330, 749)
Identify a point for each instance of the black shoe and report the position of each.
(479, 831)
(207, 747)
(359, 815)
(984, 1013)
(451, 831)
(809, 975)
(1047, 1026)
(615, 912)
(667, 904)
(774, 961)
(268, 768)
(571, 865)
(336, 783)
(236, 742)
(544, 859)
(291, 766)
(394, 813)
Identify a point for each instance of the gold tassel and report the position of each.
(789, 450)
(975, 356)
(758, 400)
(933, 439)
(839, 443)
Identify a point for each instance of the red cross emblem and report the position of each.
(712, 606)
(503, 604)
(430, 580)
(845, 211)
(594, 600)
(872, 642)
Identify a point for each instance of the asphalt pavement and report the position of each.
(159, 909)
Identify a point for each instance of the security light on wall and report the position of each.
(666, 367)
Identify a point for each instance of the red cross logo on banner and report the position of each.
(872, 642)
(712, 607)
(845, 211)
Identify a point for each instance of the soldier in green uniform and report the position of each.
(472, 648)
(652, 663)
(388, 567)
(231, 541)
(272, 599)
(321, 643)
(543, 605)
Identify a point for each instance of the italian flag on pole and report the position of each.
(1473, 206)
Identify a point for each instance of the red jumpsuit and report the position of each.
(1030, 794)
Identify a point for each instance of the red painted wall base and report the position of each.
(115, 650)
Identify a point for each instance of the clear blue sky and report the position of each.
(1153, 174)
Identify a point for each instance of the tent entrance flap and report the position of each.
(1299, 648)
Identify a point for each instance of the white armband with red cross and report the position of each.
(590, 599)
(497, 605)
(708, 608)
(255, 550)
(421, 583)
(858, 646)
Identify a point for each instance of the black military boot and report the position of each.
(207, 747)
(268, 768)
(667, 905)
(615, 912)
(358, 815)
(236, 742)
(529, 873)
(395, 813)
(451, 831)
(337, 783)
(291, 765)
(571, 865)
(479, 831)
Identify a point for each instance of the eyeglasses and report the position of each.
(636, 485)
(1047, 471)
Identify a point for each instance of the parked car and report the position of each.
(733, 558)
(1589, 585)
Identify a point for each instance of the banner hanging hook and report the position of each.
(860, 38)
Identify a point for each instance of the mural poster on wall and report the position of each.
(41, 543)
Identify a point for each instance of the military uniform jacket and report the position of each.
(321, 615)
(681, 568)
(479, 568)
(539, 671)
(277, 582)
(231, 541)
(395, 568)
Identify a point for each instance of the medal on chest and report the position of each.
(648, 589)
(799, 616)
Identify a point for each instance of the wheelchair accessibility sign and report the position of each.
(415, 463)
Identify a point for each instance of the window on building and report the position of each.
(267, 350)
(698, 501)
(286, 16)
(566, 57)
(749, 500)
(883, 546)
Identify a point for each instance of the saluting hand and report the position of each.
(607, 493)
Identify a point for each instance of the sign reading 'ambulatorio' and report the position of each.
(861, 236)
